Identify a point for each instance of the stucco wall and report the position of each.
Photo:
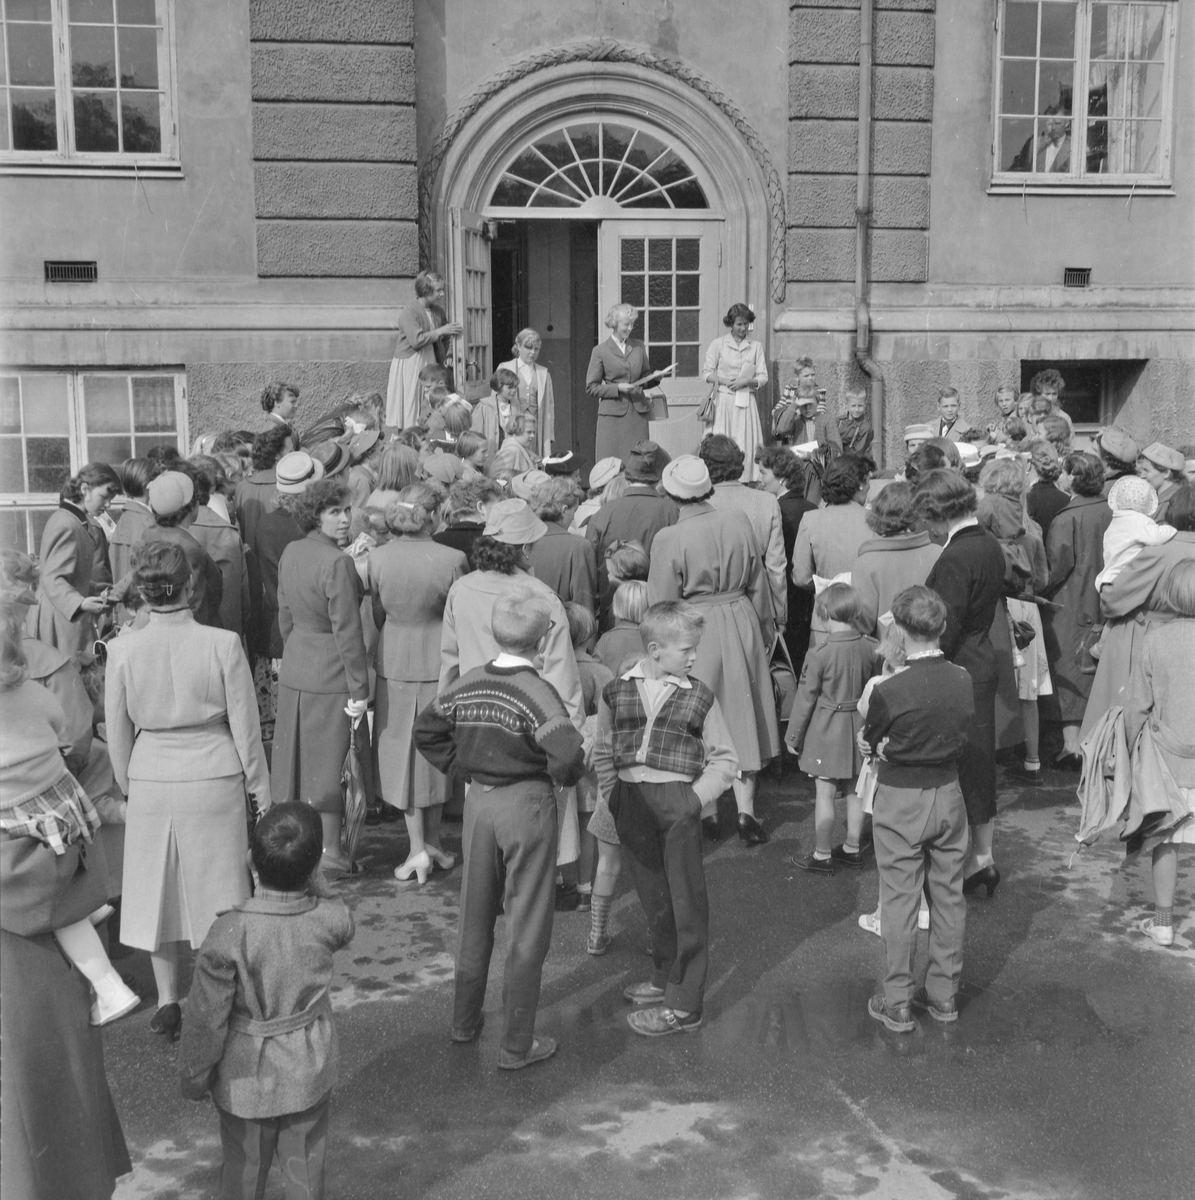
(823, 110)
(333, 87)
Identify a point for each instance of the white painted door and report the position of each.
(671, 272)
(470, 302)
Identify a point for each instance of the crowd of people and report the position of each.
(417, 605)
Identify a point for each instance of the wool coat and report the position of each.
(566, 563)
(254, 497)
(888, 565)
(134, 520)
(762, 511)
(636, 516)
(224, 547)
(622, 420)
(70, 544)
(1075, 552)
(275, 531)
(827, 544)
(259, 1032)
(207, 584)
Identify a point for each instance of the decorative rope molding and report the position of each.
(606, 50)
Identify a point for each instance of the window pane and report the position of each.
(1141, 141)
(549, 199)
(1097, 147)
(153, 403)
(660, 355)
(139, 58)
(530, 166)
(31, 54)
(1107, 31)
(93, 56)
(637, 328)
(632, 290)
(106, 400)
(512, 193)
(688, 325)
(1056, 86)
(12, 531)
(91, 10)
(141, 122)
(659, 290)
(34, 120)
(645, 150)
(10, 404)
(3, 131)
(28, 10)
(615, 139)
(136, 12)
(1019, 80)
(46, 404)
(1016, 144)
(688, 254)
(95, 122)
(651, 200)
(145, 444)
(688, 195)
(688, 289)
(1145, 31)
(659, 325)
(12, 466)
(38, 519)
(109, 449)
(1058, 29)
(632, 254)
(659, 254)
(687, 360)
(49, 463)
(1020, 29)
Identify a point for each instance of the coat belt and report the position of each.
(708, 598)
(320, 1007)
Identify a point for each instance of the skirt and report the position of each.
(311, 739)
(616, 436)
(1030, 664)
(743, 426)
(62, 813)
(404, 393)
(405, 778)
(185, 859)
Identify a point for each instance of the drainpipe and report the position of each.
(862, 221)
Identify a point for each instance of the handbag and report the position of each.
(1023, 632)
(784, 679)
(709, 406)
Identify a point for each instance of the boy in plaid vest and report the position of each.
(662, 751)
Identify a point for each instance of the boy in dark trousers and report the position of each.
(916, 728)
(259, 1033)
(662, 751)
(507, 730)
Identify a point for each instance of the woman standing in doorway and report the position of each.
(615, 368)
(736, 368)
(535, 388)
(418, 346)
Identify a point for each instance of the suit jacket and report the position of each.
(566, 563)
(225, 548)
(545, 417)
(1062, 160)
(608, 367)
(319, 617)
(763, 511)
(955, 433)
(410, 578)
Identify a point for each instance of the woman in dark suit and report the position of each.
(1075, 553)
(614, 369)
(323, 682)
(969, 577)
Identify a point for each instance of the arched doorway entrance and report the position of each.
(584, 184)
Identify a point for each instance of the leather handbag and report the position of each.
(709, 406)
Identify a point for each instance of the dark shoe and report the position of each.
(751, 831)
(807, 862)
(1069, 762)
(898, 1018)
(1022, 774)
(711, 827)
(467, 1035)
(167, 1022)
(986, 877)
(941, 1010)
(567, 897)
(840, 854)
(541, 1048)
(660, 1022)
(644, 993)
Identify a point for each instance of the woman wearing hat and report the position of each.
(1162, 468)
(323, 680)
(736, 368)
(420, 344)
(607, 481)
(708, 558)
(615, 368)
(410, 578)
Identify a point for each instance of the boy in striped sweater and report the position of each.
(507, 731)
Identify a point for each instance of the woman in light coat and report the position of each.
(410, 577)
(185, 746)
(736, 367)
(535, 388)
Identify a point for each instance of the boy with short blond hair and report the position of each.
(663, 750)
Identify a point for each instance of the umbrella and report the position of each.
(356, 796)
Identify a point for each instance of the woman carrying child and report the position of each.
(825, 721)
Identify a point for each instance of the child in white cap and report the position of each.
(1133, 502)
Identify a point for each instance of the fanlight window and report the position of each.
(572, 166)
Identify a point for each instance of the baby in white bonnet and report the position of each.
(1133, 502)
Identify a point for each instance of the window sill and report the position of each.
(1078, 188)
(124, 170)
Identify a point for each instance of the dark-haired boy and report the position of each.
(507, 730)
(258, 1033)
(916, 727)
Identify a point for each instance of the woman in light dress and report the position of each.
(418, 335)
(737, 368)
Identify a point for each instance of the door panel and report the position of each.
(671, 271)
(470, 301)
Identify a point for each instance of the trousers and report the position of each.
(510, 864)
(921, 837)
(659, 825)
(300, 1140)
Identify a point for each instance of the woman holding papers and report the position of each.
(736, 368)
(617, 369)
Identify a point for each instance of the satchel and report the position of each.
(709, 406)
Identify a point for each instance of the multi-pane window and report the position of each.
(661, 278)
(1084, 91)
(52, 422)
(89, 81)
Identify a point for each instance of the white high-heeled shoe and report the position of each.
(419, 865)
(440, 858)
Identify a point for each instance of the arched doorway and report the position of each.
(588, 183)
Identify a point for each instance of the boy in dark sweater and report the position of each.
(916, 727)
(508, 732)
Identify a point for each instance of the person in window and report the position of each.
(535, 388)
(1053, 153)
(420, 343)
(736, 367)
(615, 368)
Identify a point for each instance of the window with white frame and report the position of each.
(52, 422)
(1084, 92)
(87, 83)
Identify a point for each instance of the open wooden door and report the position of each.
(470, 302)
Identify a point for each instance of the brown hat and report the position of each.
(332, 456)
(513, 523)
(1164, 457)
(1118, 445)
(646, 458)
